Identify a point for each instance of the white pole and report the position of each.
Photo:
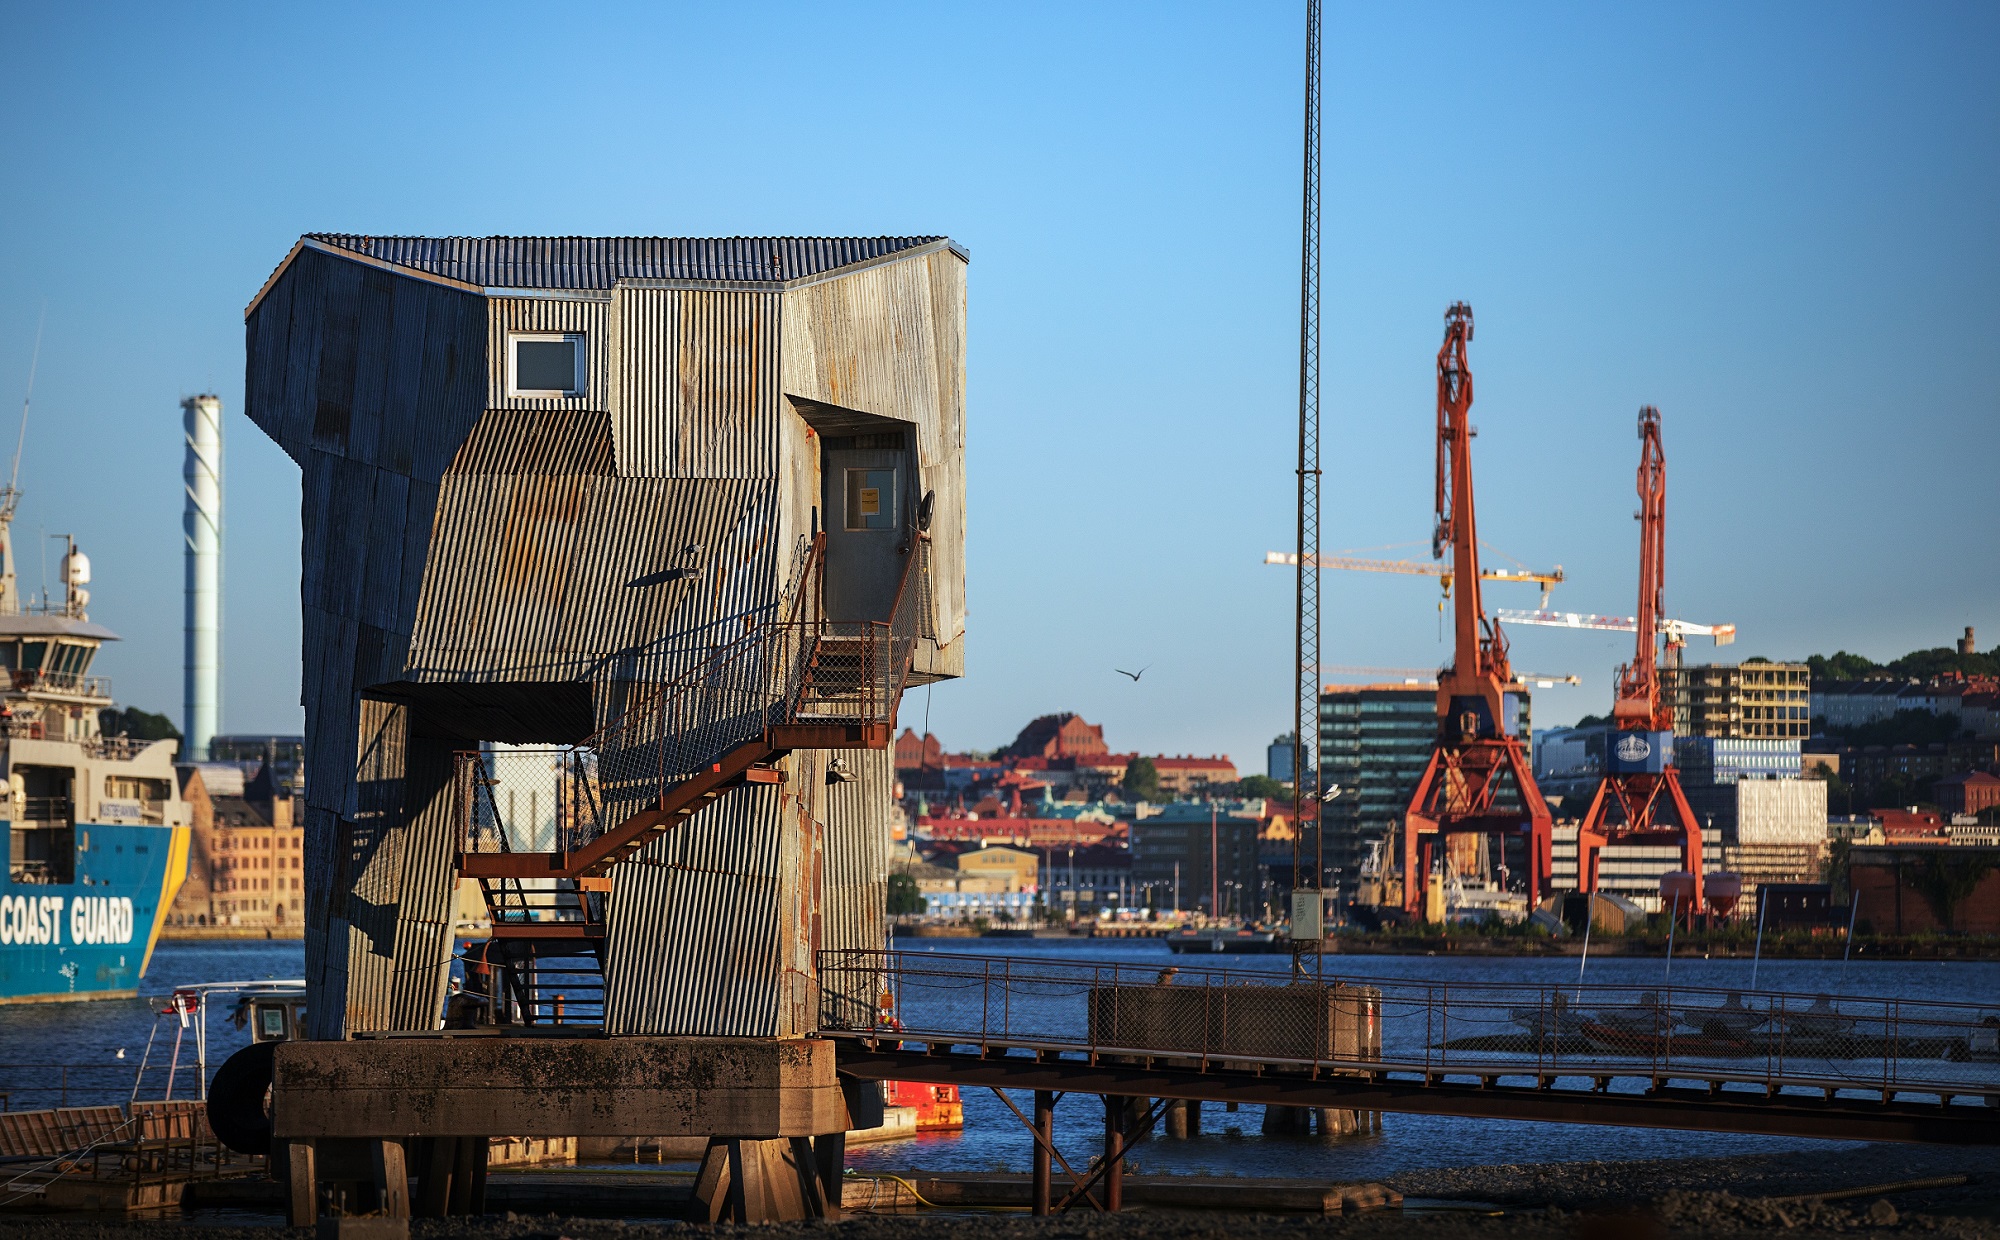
(201, 527)
(1757, 955)
(1589, 919)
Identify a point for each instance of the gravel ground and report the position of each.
(1556, 1201)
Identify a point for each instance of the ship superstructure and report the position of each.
(97, 838)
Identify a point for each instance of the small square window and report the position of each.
(550, 365)
(871, 499)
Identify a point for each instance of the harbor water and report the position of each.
(71, 1052)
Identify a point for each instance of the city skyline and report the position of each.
(1655, 208)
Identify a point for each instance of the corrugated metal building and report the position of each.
(496, 435)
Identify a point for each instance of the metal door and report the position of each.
(867, 507)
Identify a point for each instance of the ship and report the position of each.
(97, 838)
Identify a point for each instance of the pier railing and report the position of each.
(1828, 1044)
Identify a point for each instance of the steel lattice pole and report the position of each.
(1305, 706)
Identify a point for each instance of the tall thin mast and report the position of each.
(1305, 704)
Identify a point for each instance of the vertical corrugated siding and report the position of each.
(725, 390)
(644, 428)
(698, 384)
(591, 318)
(699, 923)
(857, 869)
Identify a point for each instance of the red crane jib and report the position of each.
(1639, 800)
(1478, 780)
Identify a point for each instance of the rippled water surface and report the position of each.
(88, 1036)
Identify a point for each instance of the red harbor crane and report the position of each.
(1641, 790)
(1478, 781)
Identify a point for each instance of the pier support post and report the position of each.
(301, 1184)
(392, 1180)
(830, 1160)
(1045, 1135)
(1114, 1153)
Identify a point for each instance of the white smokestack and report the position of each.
(201, 523)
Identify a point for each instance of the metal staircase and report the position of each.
(540, 829)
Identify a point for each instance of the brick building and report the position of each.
(1057, 736)
(1920, 888)
(1970, 793)
(1188, 774)
(245, 855)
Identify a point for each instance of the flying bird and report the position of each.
(1134, 675)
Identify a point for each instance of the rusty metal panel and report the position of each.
(701, 906)
(857, 871)
(889, 341)
(600, 262)
(526, 577)
(647, 370)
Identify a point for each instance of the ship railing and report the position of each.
(66, 684)
(114, 748)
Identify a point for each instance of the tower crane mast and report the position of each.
(1465, 787)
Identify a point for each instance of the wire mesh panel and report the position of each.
(1496, 1030)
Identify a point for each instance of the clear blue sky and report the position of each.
(1774, 221)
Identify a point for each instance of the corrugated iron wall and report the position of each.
(590, 316)
(370, 383)
(697, 386)
(528, 575)
(710, 924)
(857, 867)
(457, 536)
(889, 341)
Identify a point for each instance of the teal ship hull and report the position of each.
(93, 937)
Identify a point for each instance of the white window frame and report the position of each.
(578, 384)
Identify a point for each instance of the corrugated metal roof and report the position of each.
(599, 262)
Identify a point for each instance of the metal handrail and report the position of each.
(1769, 1038)
(802, 670)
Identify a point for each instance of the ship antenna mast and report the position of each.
(12, 495)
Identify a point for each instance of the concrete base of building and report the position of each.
(555, 1087)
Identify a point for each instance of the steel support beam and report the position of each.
(1679, 1107)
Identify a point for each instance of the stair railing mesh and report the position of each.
(801, 670)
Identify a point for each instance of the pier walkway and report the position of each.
(1829, 1066)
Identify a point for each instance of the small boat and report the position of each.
(1821, 1020)
(1554, 1021)
(1731, 1020)
(1628, 1039)
(1238, 940)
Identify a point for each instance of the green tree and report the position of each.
(1842, 666)
(903, 896)
(1142, 780)
(139, 725)
(1905, 727)
(1947, 881)
(1838, 794)
(1253, 786)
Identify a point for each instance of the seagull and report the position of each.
(1134, 675)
